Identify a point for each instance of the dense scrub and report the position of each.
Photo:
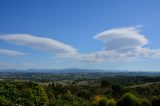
(102, 93)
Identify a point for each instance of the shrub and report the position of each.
(103, 102)
(128, 100)
(145, 102)
(111, 102)
(155, 101)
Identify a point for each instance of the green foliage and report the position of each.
(9, 93)
(103, 102)
(74, 93)
(145, 102)
(128, 100)
(111, 102)
(106, 83)
(3, 100)
(155, 101)
(85, 94)
(12, 93)
(34, 95)
(117, 90)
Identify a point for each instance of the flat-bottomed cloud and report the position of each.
(40, 43)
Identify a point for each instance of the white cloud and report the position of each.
(40, 43)
(120, 44)
(121, 56)
(120, 38)
(10, 52)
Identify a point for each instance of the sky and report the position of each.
(90, 34)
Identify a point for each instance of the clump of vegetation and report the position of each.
(155, 101)
(145, 102)
(111, 102)
(103, 102)
(128, 100)
(99, 92)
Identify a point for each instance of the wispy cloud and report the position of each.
(10, 52)
(40, 43)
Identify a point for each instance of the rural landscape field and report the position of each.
(79, 53)
(80, 89)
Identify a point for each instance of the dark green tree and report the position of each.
(111, 102)
(3, 101)
(145, 102)
(103, 102)
(105, 83)
(128, 99)
(155, 101)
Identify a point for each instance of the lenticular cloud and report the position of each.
(40, 43)
(123, 44)
(122, 38)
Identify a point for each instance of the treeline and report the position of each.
(132, 80)
(122, 78)
(105, 93)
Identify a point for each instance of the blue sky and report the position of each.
(94, 34)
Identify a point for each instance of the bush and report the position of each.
(111, 102)
(103, 102)
(128, 100)
(155, 101)
(145, 102)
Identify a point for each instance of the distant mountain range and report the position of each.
(71, 70)
(85, 71)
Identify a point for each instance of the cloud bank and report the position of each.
(10, 52)
(120, 44)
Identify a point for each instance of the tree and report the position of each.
(106, 83)
(155, 101)
(39, 96)
(145, 102)
(9, 93)
(117, 90)
(85, 94)
(111, 102)
(3, 101)
(128, 100)
(34, 95)
(103, 102)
